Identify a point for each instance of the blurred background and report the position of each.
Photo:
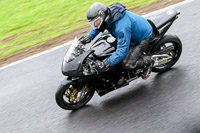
(28, 27)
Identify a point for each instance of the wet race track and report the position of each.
(165, 103)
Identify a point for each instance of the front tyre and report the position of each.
(167, 41)
(73, 96)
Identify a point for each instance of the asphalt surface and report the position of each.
(165, 103)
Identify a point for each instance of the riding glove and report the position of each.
(102, 66)
(84, 40)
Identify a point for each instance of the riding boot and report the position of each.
(148, 65)
(131, 66)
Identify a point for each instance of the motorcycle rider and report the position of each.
(132, 31)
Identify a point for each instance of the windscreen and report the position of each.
(70, 55)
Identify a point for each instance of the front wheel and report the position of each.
(172, 46)
(73, 96)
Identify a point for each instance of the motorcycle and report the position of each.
(81, 79)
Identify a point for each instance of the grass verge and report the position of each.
(25, 23)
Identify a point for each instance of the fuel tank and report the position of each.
(105, 45)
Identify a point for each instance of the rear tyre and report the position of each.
(168, 41)
(73, 96)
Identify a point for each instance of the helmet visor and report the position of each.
(96, 23)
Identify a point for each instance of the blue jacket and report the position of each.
(128, 28)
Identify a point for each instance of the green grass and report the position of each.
(36, 21)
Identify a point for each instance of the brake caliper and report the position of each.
(73, 95)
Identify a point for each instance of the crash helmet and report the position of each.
(98, 16)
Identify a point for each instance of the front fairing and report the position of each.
(73, 61)
(74, 68)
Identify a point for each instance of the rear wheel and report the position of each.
(73, 96)
(175, 45)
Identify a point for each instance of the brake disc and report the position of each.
(74, 94)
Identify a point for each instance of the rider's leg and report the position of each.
(133, 59)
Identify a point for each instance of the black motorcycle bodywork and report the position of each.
(79, 70)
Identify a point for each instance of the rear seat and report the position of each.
(163, 18)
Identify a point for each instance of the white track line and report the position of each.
(36, 55)
(63, 45)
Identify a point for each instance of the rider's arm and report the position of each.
(92, 34)
(123, 42)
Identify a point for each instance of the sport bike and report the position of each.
(81, 80)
